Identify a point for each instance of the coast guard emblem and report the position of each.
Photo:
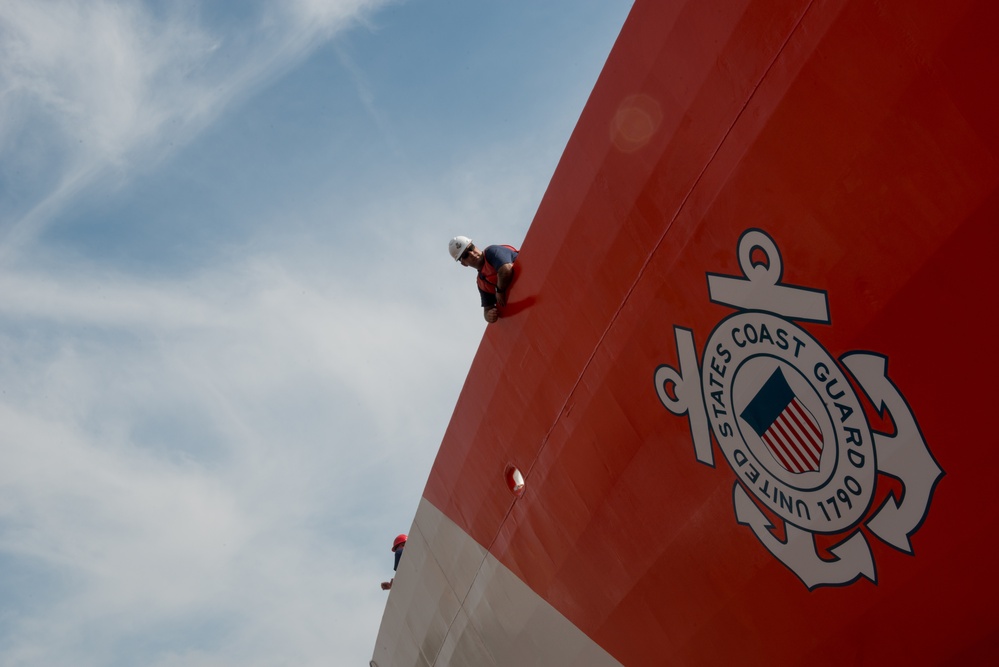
(788, 421)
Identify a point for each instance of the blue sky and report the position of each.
(230, 335)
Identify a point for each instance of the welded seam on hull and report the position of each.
(641, 273)
(461, 606)
(662, 238)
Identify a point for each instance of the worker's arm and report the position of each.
(488, 300)
(504, 277)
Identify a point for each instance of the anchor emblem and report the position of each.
(787, 420)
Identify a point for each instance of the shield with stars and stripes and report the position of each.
(784, 424)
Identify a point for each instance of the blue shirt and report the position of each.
(496, 256)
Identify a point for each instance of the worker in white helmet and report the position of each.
(494, 265)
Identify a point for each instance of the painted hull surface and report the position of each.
(748, 369)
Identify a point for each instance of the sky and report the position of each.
(231, 337)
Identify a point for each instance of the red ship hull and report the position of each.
(803, 189)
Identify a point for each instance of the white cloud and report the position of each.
(197, 464)
(327, 16)
(105, 73)
(92, 91)
(230, 532)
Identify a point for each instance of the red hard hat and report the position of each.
(399, 541)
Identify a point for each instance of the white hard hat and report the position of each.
(457, 246)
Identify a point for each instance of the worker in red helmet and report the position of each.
(397, 546)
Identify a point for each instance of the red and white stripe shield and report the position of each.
(790, 432)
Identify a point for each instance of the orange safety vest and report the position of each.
(486, 280)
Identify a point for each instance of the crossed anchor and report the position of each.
(902, 455)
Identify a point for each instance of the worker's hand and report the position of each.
(491, 315)
(386, 585)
